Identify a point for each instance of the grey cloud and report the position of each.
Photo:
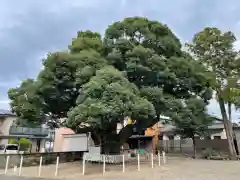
(42, 29)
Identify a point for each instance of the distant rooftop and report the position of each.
(5, 113)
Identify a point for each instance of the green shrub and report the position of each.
(24, 144)
(13, 141)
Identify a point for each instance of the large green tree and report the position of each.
(147, 52)
(192, 120)
(215, 50)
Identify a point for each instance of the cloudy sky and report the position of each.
(31, 28)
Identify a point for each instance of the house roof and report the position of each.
(140, 136)
(6, 113)
(3, 136)
(218, 124)
(64, 131)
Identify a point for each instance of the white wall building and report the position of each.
(6, 121)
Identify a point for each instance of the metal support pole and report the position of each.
(138, 158)
(164, 157)
(40, 166)
(84, 163)
(123, 163)
(104, 164)
(159, 158)
(57, 164)
(152, 160)
(6, 166)
(20, 167)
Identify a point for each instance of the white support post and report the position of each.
(57, 164)
(20, 167)
(159, 158)
(104, 164)
(84, 164)
(123, 158)
(6, 166)
(40, 166)
(164, 157)
(152, 160)
(138, 159)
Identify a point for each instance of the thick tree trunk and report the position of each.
(228, 128)
(230, 111)
(111, 144)
(96, 138)
(110, 141)
(234, 134)
(125, 133)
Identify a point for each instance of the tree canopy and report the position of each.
(141, 31)
(26, 104)
(138, 70)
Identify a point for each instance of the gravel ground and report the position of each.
(175, 169)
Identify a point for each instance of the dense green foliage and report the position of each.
(26, 103)
(107, 99)
(191, 119)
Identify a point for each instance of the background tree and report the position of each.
(192, 120)
(236, 100)
(230, 94)
(26, 103)
(214, 49)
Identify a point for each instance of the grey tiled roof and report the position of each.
(216, 125)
